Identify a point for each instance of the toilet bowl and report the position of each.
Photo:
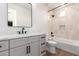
(51, 46)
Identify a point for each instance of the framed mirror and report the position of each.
(19, 15)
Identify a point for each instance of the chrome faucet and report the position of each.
(22, 32)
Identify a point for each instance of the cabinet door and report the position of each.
(19, 51)
(18, 42)
(35, 48)
(34, 38)
(4, 53)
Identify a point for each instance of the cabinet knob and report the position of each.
(27, 50)
(0, 46)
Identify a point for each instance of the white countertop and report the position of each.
(8, 37)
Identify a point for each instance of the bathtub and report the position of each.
(69, 45)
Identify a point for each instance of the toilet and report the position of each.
(51, 46)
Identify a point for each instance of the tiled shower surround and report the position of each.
(65, 23)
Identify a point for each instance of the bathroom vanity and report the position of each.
(23, 45)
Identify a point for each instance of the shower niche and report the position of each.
(62, 27)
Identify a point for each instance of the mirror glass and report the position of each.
(19, 14)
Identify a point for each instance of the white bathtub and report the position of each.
(67, 45)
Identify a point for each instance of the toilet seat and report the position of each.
(51, 43)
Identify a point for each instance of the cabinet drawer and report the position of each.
(43, 41)
(4, 45)
(18, 42)
(4, 53)
(43, 44)
(43, 53)
(43, 50)
(43, 37)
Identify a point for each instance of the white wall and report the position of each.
(39, 21)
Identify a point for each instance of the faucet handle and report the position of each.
(18, 32)
(25, 32)
(52, 34)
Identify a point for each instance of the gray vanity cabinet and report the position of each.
(23, 46)
(34, 48)
(18, 46)
(4, 48)
(34, 45)
(29, 46)
(42, 45)
(37, 45)
(30, 49)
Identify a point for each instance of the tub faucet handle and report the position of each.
(52, 34)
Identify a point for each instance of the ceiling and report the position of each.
(48, 6)
(52, 5)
